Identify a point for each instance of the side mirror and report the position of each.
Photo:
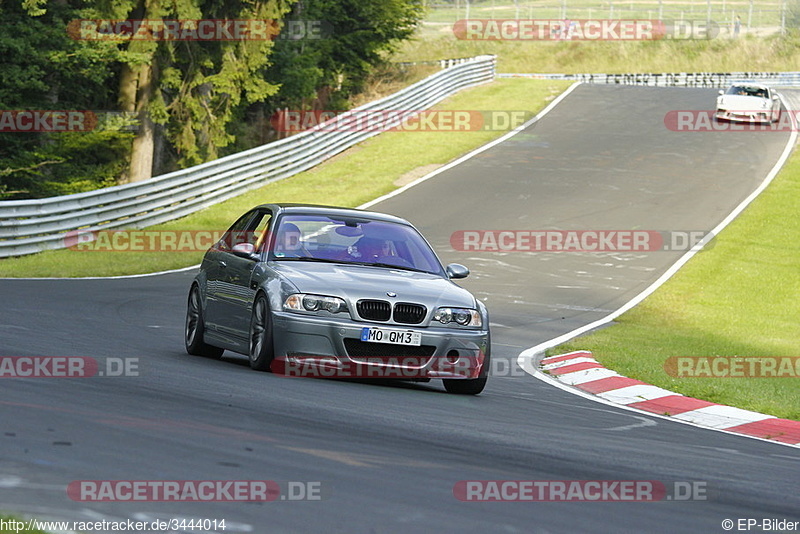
(245, 250)
(456, 270)
(721, 92)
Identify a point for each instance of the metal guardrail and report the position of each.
(673, 79)
(442, 63)
(30, 226)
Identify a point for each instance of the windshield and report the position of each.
(352, 241)
(746, 90)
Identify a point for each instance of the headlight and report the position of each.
(313, 303)
(461, 316)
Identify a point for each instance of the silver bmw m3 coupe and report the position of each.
(320, 291)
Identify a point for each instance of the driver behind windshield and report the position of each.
(287, 242)
(373, 249)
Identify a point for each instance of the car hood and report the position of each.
(743, 103)
(354, 282)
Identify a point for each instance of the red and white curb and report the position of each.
(582, 371)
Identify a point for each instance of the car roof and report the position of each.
(318, 209)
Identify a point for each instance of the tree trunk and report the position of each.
(141, 167)
(127, 104)
(127, 88)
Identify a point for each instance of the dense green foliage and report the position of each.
(177, 102)
(353, 40)
(41, 68)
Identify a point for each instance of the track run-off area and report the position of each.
(396, 457)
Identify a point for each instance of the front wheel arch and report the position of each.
(471, 386)
(261, 343)
(195, 327)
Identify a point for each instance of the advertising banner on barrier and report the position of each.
(670, 79)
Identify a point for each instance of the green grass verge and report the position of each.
(747, 54)
(739, 298)
(360, 174)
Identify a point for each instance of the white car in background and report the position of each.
(748, 102)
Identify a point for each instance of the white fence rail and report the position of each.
(30, 226)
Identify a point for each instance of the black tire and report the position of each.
(262, 348)
(470, 386)
(193, 333)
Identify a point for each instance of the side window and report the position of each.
(249, 228)
(260, 232)
(235, 233)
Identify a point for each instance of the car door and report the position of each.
(215, 264)
(235, 292)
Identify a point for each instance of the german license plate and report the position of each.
(395, 337)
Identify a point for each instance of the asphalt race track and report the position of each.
(388, 455)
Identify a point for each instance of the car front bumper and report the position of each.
(309, 345)
(744, 116)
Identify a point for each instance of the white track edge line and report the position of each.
(528, 356)
(119, 277)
